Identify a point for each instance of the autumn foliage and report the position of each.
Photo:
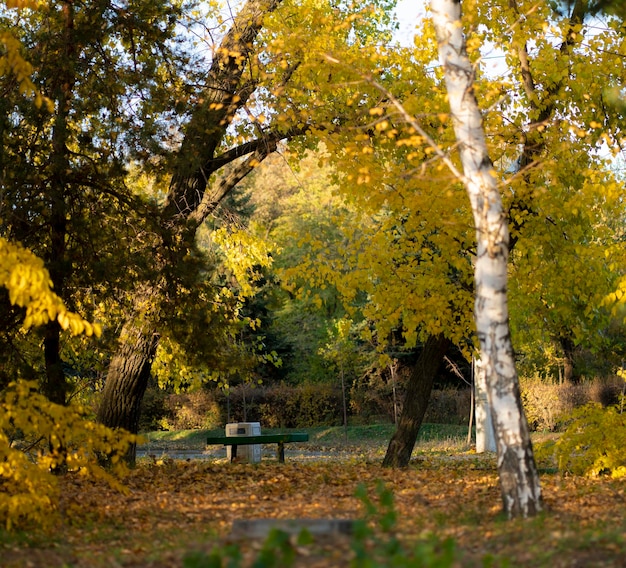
(28, 282)
(39, 438)
(593, 443)
(175, 510)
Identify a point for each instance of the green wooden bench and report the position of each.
(280, 439)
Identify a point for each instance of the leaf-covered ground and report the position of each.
(174, 508)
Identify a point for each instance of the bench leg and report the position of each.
(280, 454)
(233, 453)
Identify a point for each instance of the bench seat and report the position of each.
(280, 439)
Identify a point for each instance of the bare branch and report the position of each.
(252, 146)
(211, 199)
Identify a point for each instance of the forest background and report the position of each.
(233, 199)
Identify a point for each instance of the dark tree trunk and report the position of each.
(569, 370)
(55, 385)
(416, 400)
(127, 379)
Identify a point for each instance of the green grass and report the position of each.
(185, 439)
(361, 435)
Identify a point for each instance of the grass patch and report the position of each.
(368, 435)
(180, 439)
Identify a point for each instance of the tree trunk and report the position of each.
(127, 380)
(55, 385)
(569, 370)
(485, 436)
(416, 400)
(519, 481)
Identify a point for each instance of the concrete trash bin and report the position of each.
(245, 454)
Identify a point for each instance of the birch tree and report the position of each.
(406, 259)
(485, 438)
(519, 480)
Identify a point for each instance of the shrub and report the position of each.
(38, 438)
(542, 403)
(286, 406)
(277, 406)
(549, 405)
(371, 398)
(153, 409)
(194, 410)
(593, 443)
(371, 395)
(448, 406)
(314, 405)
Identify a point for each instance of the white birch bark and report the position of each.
(485, 435)
(519, 481)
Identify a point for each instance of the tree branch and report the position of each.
(252, 146)
(224, 94)
(225, 185)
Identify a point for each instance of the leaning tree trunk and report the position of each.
(129, 370)
(188, 204)
(519, 480)
(416, 400)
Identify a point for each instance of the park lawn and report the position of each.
(176, 509)
(368, 439)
